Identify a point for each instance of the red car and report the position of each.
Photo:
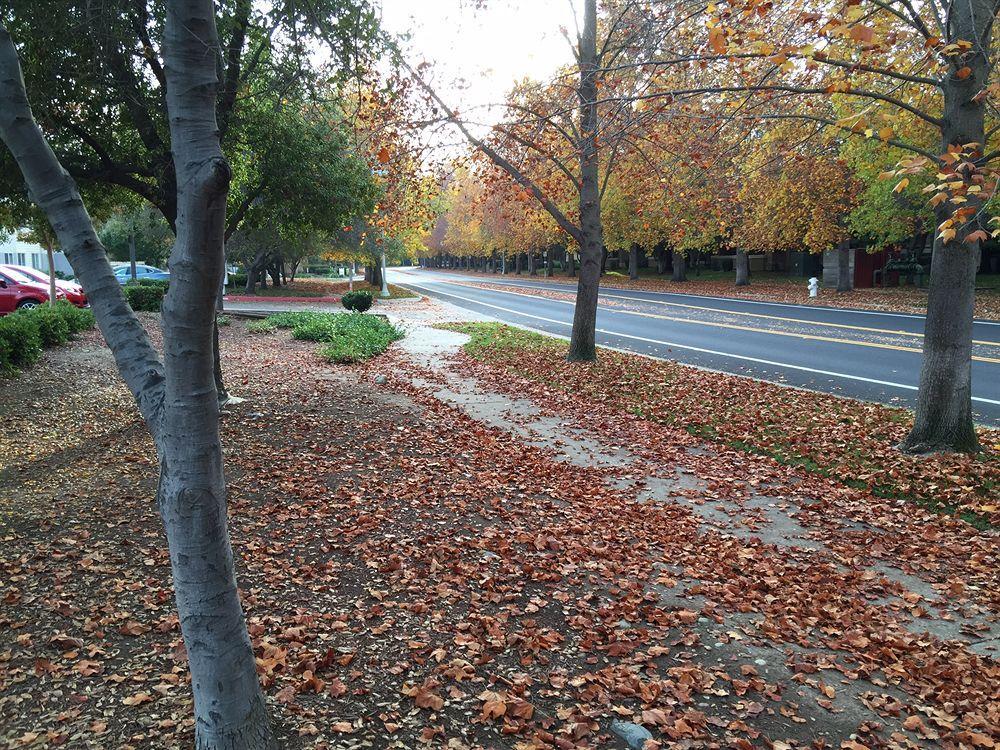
(19, 292)
(72, 290)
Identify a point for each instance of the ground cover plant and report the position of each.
(842, 438)
(344, 337)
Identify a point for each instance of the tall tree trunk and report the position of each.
(376, 274)
(582, 345)
(52, 271)
(177, 397)
(943, 419)
(531, 263)
(680, 267)
(660, 253)
(547, 272)
(633, 262)
(570, 264)
(517, 263)
(229, 705)
(220, 385)
(131, 253)
(742, 264)
(604, 260)
(845, 281)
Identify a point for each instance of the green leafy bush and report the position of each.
(322, 328)
(162, 283)
(78, 319)
(53, 328)
(25, 332)
(222, 320)
(20, 341)
(359, 337)
(237, 281)
(346, 337)
(145, 296)
(358, 301)
(261, 326)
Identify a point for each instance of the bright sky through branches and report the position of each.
(477, 54)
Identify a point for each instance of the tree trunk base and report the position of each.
(953, 440)
(255, 734)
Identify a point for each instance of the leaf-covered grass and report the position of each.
(850, 441)
(345, 337)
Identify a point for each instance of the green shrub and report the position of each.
(237, 280)
(358, 301)
(346, 337)
(316, 329)
(222, 320)
(25, 332)
(20, 341)
(359, 337)
(153, 282)
(78, 319)
(52, 326)
(261, 326)
(145, 296)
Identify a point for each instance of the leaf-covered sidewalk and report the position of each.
(438, 561)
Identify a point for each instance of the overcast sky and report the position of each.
(478, 53)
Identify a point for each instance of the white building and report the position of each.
(16, 252)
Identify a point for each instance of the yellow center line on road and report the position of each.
(734, 326)
(738, 312)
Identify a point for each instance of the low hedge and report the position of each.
(24, 333)
(146, 295)
(53, 328)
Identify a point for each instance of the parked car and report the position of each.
(72, 290)
(19, 292)
(124, 273)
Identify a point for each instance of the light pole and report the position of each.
(385, 284)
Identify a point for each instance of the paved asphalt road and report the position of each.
(863, 354)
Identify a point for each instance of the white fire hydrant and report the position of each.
(813, 287)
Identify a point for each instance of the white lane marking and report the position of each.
(738, 300)
(699, 349)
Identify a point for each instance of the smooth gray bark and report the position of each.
(177, 398)
(633, 262)
(582, 345)
(742, 265)
(229, 705)
(943, 419)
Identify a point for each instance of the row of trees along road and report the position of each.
(679, 91)
(215, 114)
